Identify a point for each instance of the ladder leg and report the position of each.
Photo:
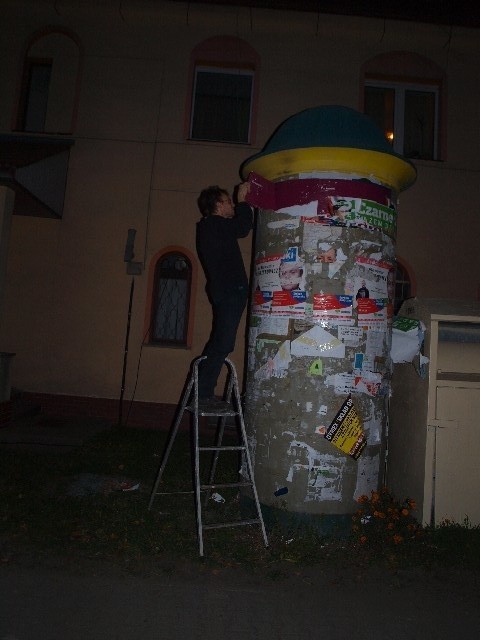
(213, 467)
(254, 488)
(247, 453)
(219, 437)
(171, 440)
(198, 502)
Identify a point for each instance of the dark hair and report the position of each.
(208, 198)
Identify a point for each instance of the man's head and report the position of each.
(214, 201)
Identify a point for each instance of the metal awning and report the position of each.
(35, 167)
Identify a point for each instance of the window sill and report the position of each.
(218, 143)
(158, 345)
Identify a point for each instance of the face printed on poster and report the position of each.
(280, 284)
(290, 275)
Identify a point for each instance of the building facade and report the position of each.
(114, 115)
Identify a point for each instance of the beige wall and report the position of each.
(66, 291)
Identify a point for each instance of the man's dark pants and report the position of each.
(227, 312)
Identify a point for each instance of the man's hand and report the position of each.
(242, 192)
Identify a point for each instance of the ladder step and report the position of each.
(223, 448)
(237, 523)
(217, 409)
(225, 485)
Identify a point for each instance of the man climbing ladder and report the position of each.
(227, 283)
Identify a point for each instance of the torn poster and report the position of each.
(350, 336)
(317, 342)
(335, 308)
(407, 338)
(372, 312)
(368, 203)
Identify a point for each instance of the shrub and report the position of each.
(383, 520)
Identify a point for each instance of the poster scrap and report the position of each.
(367, 475)
(280, 284)
(374, 343)
(361, 204)
(407, 338)
(335, 308)
(373, 279)
(346, 431)
(350, 336)
(356, 212)
(317, 342)
(372, 312)
(276, 366)
(267, 272)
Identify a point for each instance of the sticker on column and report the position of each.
(346, 431)
(316, 368)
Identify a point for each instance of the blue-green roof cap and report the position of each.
(328, 126)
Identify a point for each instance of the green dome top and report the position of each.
(327, 126)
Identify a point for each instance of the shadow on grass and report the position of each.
(98, 518)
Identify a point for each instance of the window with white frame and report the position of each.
(171, 300)
(222, 104)
(408, 113)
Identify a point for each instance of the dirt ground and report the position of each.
(87, 599)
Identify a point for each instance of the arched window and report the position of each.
(223, 94)
(171, 299)
(50, 83)
(404, 285)
(404, 93)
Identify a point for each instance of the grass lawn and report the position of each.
(75, 503)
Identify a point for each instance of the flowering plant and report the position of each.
(382, 518)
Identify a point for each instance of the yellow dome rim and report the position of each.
(389, 170)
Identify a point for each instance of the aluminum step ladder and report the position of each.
(229, 407)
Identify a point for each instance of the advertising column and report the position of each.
(319, 337)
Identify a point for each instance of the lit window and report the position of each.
(408, 114)
(171, 300)
(222, 105)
